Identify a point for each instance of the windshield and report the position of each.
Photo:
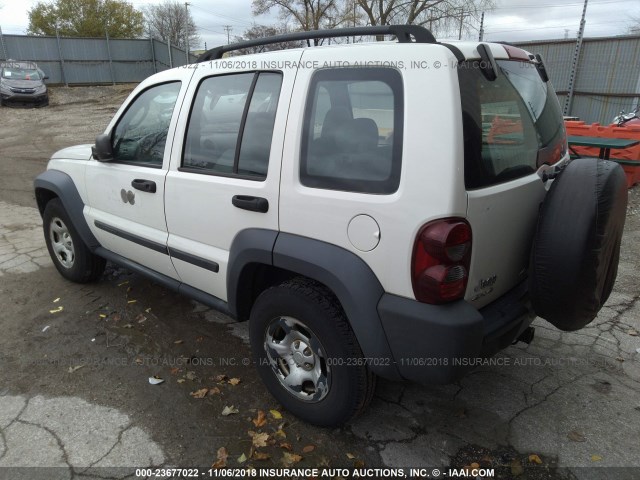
(510, 124)
(20, 74)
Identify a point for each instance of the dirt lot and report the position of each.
(74, 389)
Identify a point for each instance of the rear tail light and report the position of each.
(440, 263)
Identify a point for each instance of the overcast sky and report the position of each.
(511, 20)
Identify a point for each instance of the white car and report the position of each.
(393, 209)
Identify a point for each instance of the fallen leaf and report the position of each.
(290, 458)
(474, 465)
(102, 315)
(516, 467)
(260, 420)
(234, 381)
(148, 310)
(596, 458)
(191, 375)
(286, 446)
(533, 458)
(128, 325)
(576, 436)
(155, 380)
(633, 332)
(200, 394)
(261, 456)
(141, 318)
(620, 359)
(242, 458)
(123, 283)
(280, 433)
(229, 410)
(350, 456)
(214, 391)
(222, 456)
(276, 414)
(199, 339)
(174, 370)
(178, 342)
(57, 310)
(76, 368)
(259, 439)
(56, 300)
(139, 361)
(308, 449)
(220, 378)
(181, 380)
(132, 301)
(358, 464)
(46, 328)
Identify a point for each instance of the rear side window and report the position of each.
(231, 125)
(509, 124)
(352, 138)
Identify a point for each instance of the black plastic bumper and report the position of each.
(440, 343)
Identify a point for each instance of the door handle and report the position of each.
(144, 185)
(254, 204)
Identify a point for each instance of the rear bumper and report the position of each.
(440, 343)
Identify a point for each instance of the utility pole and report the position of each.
(186, 29)
(480, 37)
(228, 28)
(574, 66)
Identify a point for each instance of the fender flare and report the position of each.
(61, 185)
(344, 273)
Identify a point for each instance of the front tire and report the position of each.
(71, 257)
(307, 355)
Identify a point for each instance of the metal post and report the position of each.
(480, 37)
(153, 55)
(4, 50)
(186, 30)
(64, 76)
(113, 78)
(169, 47)
(568, 103)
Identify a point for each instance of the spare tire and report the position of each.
(576, 248)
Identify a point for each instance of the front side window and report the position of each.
(510, 124)
(141, 134)
(352, 138)
(231, 125)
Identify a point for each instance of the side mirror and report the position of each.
(46, 77)
(102, 150)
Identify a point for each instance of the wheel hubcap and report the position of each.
(297, 359)
(62, 243)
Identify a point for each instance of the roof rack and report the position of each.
(404, 33)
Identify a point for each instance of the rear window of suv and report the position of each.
(509, 124)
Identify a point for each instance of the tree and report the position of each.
(261, 31)
(306, 15)
(441, 16)
(170, 21)
(86, 18)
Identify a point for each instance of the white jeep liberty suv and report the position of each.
(388, 209)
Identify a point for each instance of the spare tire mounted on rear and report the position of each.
(576, 248)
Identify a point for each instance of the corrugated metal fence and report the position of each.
(75, 61)
(607, 75)
(608, 72)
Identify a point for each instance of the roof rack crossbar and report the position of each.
(404, 33)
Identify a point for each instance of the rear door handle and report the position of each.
(254, 204)
(144, 185)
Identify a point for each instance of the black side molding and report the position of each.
(158, 247)
(194, 260)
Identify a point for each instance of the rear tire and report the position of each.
(307, 355)
(69, 254)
